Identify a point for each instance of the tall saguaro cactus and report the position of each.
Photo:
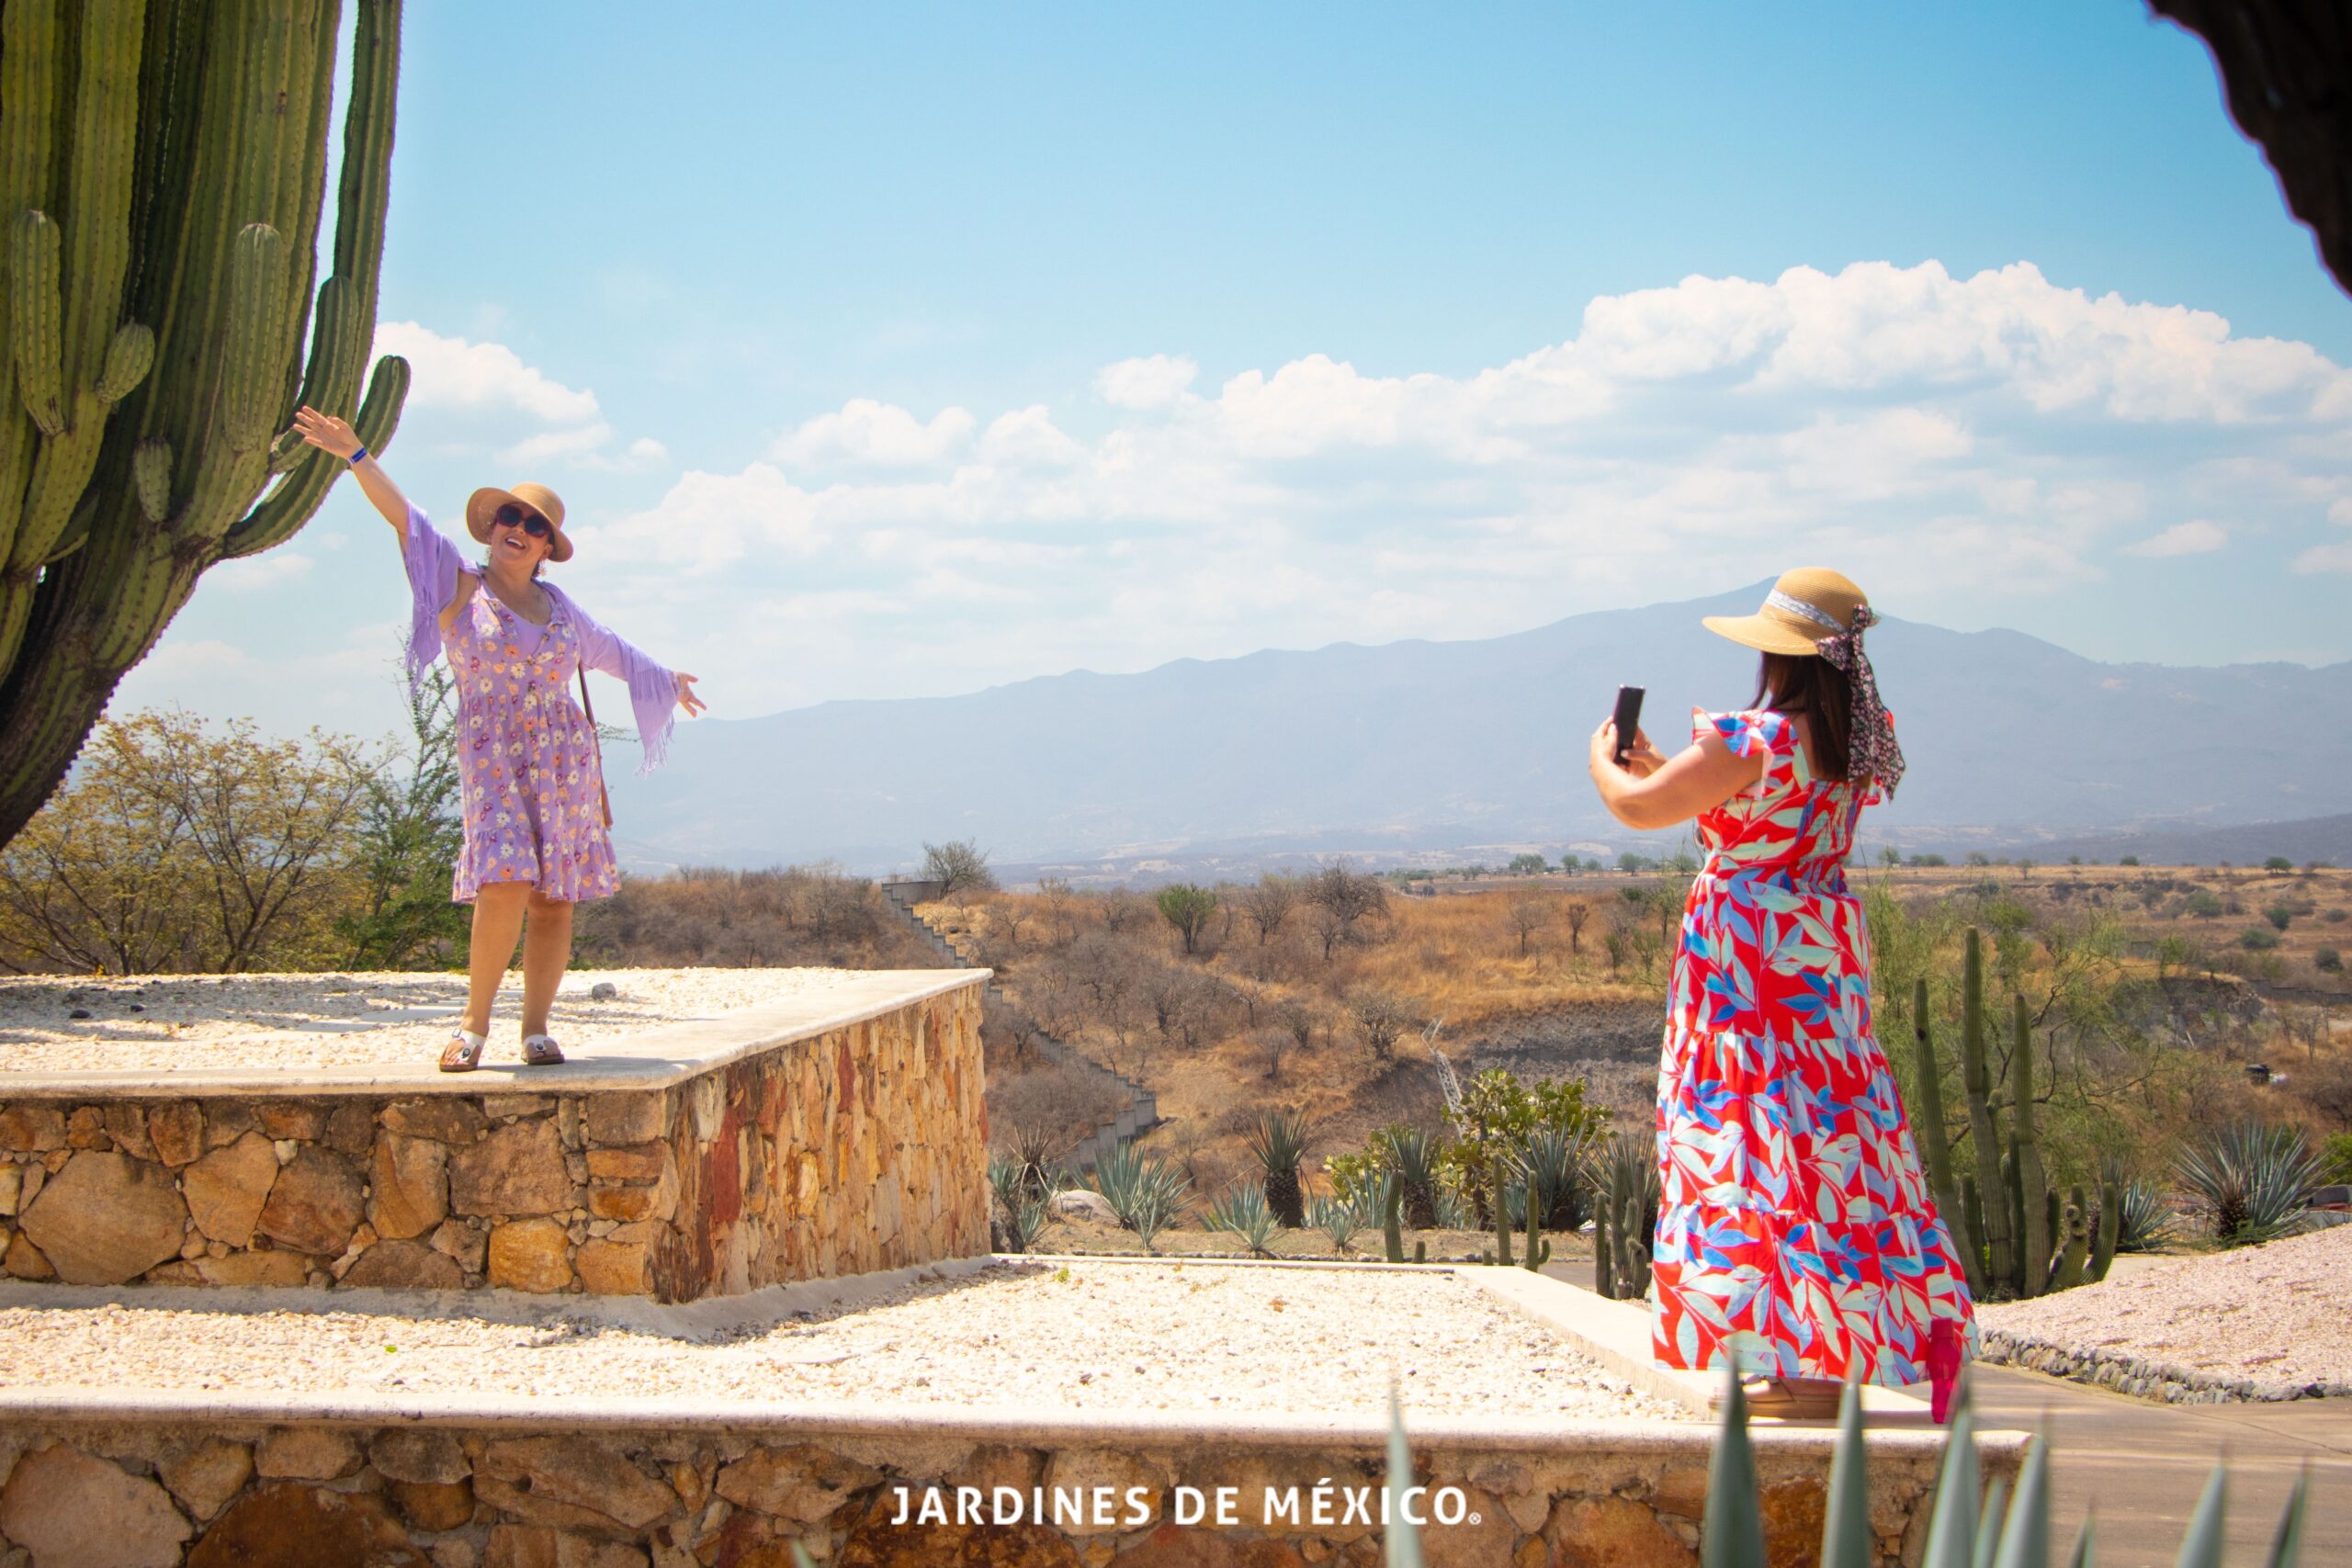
(162, 169)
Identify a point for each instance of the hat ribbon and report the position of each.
(1874, 751)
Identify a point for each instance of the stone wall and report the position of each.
(153, 1493)
(860, 1148)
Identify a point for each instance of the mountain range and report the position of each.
(1417, 750)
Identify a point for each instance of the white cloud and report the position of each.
(2195, 537)
(2324, 558)
(1933, 436)
(481, 399)
(867, 433)
(1156, 382)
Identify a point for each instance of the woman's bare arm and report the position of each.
(333, 435)
(1649, 791)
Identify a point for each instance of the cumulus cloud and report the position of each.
(867, 433)
(470, 397)
(2196, 536)
(1156, 382)
(1932, 435)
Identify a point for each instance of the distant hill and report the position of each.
(2327, 839)
(1421, 745)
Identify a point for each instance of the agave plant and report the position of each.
(1412, 1153)
(1555, 1162)
(1244, 1212)
(1454, 1211)
(2258, 1181)
(1037, 1153)
(2145, 1218)
(1279, 1140)
(1026, 1211)
(1144, 1191)
(2012, 1531)
(1338, 1218)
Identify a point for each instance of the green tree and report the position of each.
(1529, 865)
(2280, 916)
(162, 167)
(2277, 863)
(1631, 862)
(404, 851)
(1187, 908)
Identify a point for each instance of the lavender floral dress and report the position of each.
(527, 765)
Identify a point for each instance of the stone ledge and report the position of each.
(658, 1059)
(2142, 1377)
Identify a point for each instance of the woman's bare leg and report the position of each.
(546, 954)
(498, 920)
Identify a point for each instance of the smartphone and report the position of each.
(1629, 719)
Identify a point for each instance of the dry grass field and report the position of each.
(1566, 973)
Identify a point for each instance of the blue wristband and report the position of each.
(355, 457)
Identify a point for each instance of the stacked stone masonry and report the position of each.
(857, 1149)
(429, 1496)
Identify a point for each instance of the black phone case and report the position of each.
(1629, 718)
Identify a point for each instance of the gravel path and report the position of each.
(1091, 1337)
(299, 1021)
(2273, 1315)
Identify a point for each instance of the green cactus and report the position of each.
(1935, 1145)
(2068, 1272)
(1538, 1251)
(2034, 1195)
(1420, 1252)
(1983, 1123)
(163, 170)
(1392, 1199)
(1500, 1210)
(2110, 1228)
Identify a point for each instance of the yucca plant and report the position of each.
(1412, 1153)
(1338, 1218)
(1556, 1161)
(2255, 1180)
(1025, 1210)
(2145, 1220)
(1279, 1140)
(2011, 1532)
(1144, 1191)
(1243, 1212)
(1037, 1151)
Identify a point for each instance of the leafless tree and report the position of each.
(959, 866)
(1382, 1017)
(1575, 912)
(1053, 901)
(1122, 908)
(1270, 903)
(1529, 913)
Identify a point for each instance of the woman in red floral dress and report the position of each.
(1795, 1232)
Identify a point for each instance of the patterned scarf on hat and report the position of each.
(1872, 749)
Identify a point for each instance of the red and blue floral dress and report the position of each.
(1796, 1228)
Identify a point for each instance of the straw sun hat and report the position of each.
(484, 504)
(1805, 608)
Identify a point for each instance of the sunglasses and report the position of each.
(513, 516)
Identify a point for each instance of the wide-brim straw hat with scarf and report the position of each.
(1813, 612)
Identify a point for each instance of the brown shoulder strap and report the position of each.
(596, 745)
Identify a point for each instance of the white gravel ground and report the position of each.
(1082, 1336)
(2278, 1313)
(300, 1020)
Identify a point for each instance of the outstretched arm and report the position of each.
(1649, 791)
(331, 436)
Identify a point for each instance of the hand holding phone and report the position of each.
(1628, 720)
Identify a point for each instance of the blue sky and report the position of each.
(891, 351)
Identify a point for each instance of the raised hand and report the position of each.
(325, 431)
(686, 698)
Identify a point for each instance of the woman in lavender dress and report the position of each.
(536, 836)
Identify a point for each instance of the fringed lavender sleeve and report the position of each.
(652, 690)
(433, 567)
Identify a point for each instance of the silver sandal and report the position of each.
(541, 1051)
(463, 1054)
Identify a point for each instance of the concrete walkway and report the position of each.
(2142, 1466)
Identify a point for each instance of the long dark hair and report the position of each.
(1810, 686)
